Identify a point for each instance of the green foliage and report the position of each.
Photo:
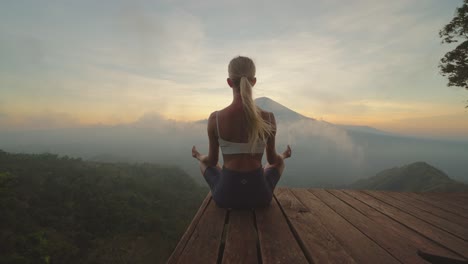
(454, 65)
(63, 210)
(414, 177)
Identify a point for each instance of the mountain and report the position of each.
(414, 177)
(282, 113)
(366, 129)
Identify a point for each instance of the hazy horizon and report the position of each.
(324, 155)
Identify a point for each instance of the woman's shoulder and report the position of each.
(212, 117)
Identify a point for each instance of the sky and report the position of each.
(359, 62)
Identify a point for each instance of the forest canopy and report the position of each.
(65, 210)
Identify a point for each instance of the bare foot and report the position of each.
(195, 153)
(287, 153)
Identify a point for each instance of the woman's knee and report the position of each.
(279, 161)
(279, 165)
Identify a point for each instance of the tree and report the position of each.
(454, 65)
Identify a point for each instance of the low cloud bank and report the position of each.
(324, 155)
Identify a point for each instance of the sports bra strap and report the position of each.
(217, 125)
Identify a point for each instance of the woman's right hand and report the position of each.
(195, 153)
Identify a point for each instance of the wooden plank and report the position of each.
(441, 223)
(318, 244)
(443, 238)
(358, 245)
(279, 190)
(204, 243)
(188, 233)
(241, 238)
(395, 244)
(277, 242)
(439, 204)
(413, 237)
(457, 201)
(429, 208)
(463, 195)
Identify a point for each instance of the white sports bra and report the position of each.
(228, 147)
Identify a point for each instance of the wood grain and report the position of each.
(277, 242)
(241, 238)
(437, 221)
(204, 243)
(188, 233)
(319, 245)
(440, 236)
(413, 237)
(439, 204)
(358, 245)
(451, 217)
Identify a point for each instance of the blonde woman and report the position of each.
(243, 132)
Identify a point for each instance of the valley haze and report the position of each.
(324, 154)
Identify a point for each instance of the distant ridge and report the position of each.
(366, 129)
(414, 177)
(282, 113)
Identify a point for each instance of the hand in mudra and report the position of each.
(287, 153)
(195, 153)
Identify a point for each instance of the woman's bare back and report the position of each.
(233, 128)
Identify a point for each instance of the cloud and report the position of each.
(330, 139)
(322, 152)
(125, 59)
(39, 121)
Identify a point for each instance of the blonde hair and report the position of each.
(242, 72)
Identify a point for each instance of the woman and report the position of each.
(242, 131)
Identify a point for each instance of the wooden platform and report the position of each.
(333, 226)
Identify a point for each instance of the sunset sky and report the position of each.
(361, 62)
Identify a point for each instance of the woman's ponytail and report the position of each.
(241, 69)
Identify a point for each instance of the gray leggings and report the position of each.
(242, 190)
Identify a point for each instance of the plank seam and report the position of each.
(259, 251)
(223, 237)
(427, 210)
(174, 258)
(356, 226)
(409, 227)
(294, 231)
(417, 197)
(409, 213)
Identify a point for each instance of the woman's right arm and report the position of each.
(213, 149)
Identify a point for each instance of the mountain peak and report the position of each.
(281, 112)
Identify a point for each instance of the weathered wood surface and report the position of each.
(319, 245)
(241, 236)
(451, 217)
(205, 241)
(396, 245)
(277, 241)
(331, 226)
(439, 204)
(454, 229)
